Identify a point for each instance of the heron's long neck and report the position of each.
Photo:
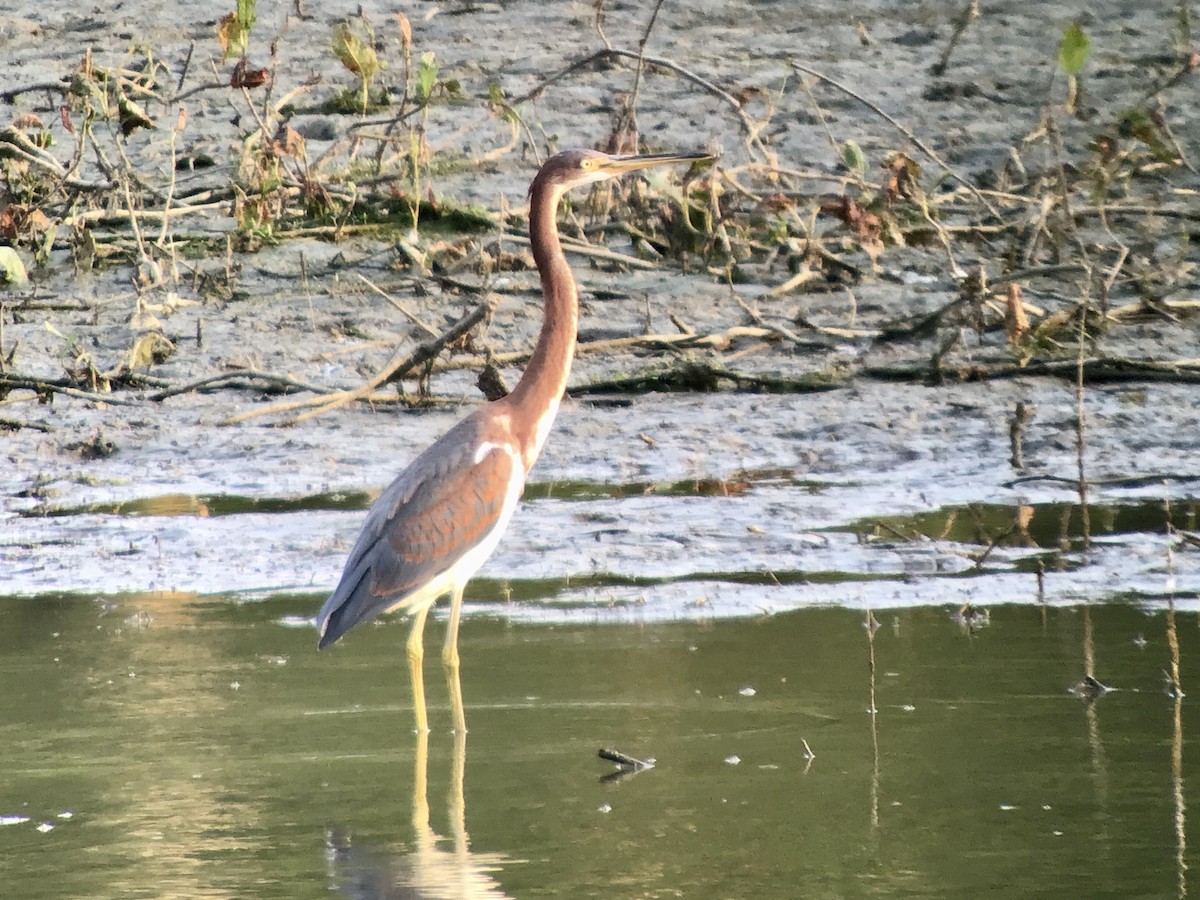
(536, 397)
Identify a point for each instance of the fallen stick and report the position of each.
(226, 378)
(10, 381)
(392, 372)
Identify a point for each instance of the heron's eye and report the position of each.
(587, 164)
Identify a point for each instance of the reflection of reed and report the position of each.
(873, 710)
(1091, 689)
(435, 866)
(1176, 689)
(1181, 866)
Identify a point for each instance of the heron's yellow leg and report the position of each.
(451, 661)
(450, 649)
(416, 658)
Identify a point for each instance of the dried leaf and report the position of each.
(746, 94)
(778, 202)
(148, 349)
(25, 223)
(9, 229)
(1016, 321)
(132, 117)
(246, 77)
(144, 321)
(901, 178)
(867, 227)
(405, 32)
(287, 142)
(28, 122)
(233, 35)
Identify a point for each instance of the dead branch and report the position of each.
(10, 381)
(394, 371)
(749, 126)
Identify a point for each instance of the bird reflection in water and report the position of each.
(439, 520)
(434, 866)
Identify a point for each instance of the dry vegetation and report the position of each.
(1085, 232)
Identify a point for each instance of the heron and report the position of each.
(443, 516)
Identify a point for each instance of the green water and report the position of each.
(205, 749)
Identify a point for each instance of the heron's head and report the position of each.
(575, 168)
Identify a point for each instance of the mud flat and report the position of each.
(779, 401)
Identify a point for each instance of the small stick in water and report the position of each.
(625, 760)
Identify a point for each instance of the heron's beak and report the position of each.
(619, 165)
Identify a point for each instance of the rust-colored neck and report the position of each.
(536, 397)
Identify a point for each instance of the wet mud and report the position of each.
(885, 488)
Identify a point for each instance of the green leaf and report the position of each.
(854, 159)
(354, 53)
(233, 30)
(1074, 49)
(12, 270)
(427, 72)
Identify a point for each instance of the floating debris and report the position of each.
(747, 691)
(13, 820)
(624, 760)
(733, 759)
(1090, 688)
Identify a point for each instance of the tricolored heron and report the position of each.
(433, 527)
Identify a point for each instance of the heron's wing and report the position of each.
(444, 505)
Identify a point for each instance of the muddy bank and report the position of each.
(891, 326)
(668, 506)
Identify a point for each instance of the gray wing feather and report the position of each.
(433, 513)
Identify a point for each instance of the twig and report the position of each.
(17, 425)
(748, 125)
(1097, 370)
(624, 759)
(187, 64)
(1124, 482)
(641, 58)
(912, 138)
(786, 333)
(969, 14)
(404, 310)
(392, 372)
(571, 245)
(1081, 420)
(11, 94)
(13, 381)
(229, 379)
